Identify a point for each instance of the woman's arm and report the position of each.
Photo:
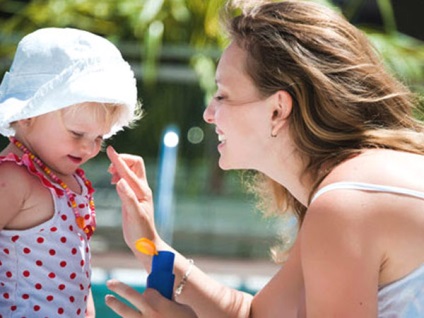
(206, 296)
(283, 296)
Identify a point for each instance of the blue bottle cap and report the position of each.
(164, 261)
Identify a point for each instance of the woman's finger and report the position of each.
(120, 308)
(121, 169)
(159, 306)
(126, 194)
(137, 217)
(151, 304)
(126, 162)
(125, 291)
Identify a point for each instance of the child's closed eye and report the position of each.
(76, 134)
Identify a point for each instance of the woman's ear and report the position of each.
(281, 110)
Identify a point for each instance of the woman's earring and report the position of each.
(273, 135)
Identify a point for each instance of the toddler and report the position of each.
(67, 90)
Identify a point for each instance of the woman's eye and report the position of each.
(218, 97)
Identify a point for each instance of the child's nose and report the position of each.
(91, 148)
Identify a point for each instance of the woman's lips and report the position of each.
(221, 136)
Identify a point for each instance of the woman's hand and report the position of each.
(149, 304)
(129, 175)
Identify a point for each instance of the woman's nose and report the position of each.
(208, 114)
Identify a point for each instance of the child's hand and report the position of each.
(128, 172)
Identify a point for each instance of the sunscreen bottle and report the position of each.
(162, 276)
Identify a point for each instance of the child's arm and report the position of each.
(91, 309)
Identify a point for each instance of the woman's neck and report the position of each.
(288, 170)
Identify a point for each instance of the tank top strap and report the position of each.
(27, 162)
(367, 187)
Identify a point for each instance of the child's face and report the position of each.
(63, 142)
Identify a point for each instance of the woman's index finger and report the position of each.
(134, 175)
(119, 164)
(124, 163)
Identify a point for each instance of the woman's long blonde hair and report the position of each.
(344, 99)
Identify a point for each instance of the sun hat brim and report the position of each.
(102, 79)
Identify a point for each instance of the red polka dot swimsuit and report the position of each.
(45, 271)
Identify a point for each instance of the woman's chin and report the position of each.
(224, 165)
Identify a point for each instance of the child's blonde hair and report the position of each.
(112, 116)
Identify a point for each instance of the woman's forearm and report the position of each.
(208, 297)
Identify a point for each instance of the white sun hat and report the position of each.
(58, 67)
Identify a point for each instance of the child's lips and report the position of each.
(76, 160)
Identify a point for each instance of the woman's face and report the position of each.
(239, 113)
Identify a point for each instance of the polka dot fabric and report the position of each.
(45, 271)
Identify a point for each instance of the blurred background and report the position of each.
(173, 47)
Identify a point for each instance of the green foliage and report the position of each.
(194, 23)
(403, 55)
(173, 46)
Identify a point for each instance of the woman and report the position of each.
(304, 100)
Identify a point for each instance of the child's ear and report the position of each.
(26, 121)
(23, 123)
(281, 110)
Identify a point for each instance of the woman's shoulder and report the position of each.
(360, 192)
(369, 194)
(335, 248)
(381, 167)
(352, 186)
